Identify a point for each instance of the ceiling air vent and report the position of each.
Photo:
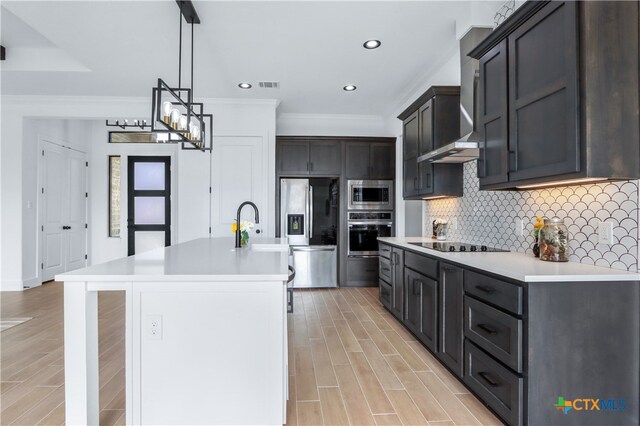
(269, 84)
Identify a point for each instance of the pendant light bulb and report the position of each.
(166, 111)
(183, 122)
(175, 117)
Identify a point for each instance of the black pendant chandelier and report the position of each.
(175, 117)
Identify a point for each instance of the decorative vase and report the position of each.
(244, 238)
(536, 249)
(554, 241)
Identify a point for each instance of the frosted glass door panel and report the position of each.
(149, 176)
(149, 240)
(149, 210)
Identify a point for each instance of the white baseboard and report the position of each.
(32, 282)
(11, 286)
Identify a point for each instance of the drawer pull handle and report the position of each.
(487, 328)
(487, 378)
(386, 269)
(485, 289)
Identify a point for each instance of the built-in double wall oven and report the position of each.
(364, 229)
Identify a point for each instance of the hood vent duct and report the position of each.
(466, 148)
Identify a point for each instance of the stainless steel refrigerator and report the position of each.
(309, 219)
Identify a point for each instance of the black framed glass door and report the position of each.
(149, 203)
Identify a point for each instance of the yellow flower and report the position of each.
(234, 227)
(539, 223)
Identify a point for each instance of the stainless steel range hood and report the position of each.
(466, 148)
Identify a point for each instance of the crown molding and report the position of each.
(330, 117)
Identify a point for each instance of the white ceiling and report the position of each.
(120, 48)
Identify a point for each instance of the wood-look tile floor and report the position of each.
(350, 362)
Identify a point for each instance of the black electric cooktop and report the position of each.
(458, 247)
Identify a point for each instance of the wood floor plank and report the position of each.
(323, 313)
(333, 410)
(479, 411)
(424, 400)
(434, 365)
(387, 420)
(11, 413)
(55, 417)
(349, 341)
(405, 407)
(334, 344)
(306, 387)
(325, 376)
(384, 373)
(309, 413)
(354, 400)
(300, 332)
(356, 327)
(41, 409)
(314, 329)
(332, 306)
(377, 318)
(292, 412)
(405, 351)
(451, 404)
(370, 385)
(381, 341)
(110, 417)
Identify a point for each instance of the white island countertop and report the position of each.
(204, 259)
(519, 266)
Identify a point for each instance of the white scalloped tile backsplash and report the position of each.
(488, 217)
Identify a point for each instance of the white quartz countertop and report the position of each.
(205, 259)
(519, 266)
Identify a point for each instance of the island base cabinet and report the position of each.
(217, 357)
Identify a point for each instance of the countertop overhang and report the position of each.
(518, 266)
(201, 260)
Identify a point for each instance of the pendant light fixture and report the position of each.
(175, 117)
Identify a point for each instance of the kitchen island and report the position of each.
(205, 334)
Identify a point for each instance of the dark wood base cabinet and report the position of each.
(524, 349)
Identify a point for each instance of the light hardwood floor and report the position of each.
(350, 362)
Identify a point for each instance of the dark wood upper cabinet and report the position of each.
(370, 160)
(293, 158)
(324, 158)
(431, 122)
(303, 157)
(556, 102)
(411, 136)
(493, 123)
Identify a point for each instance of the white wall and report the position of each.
(71, 117)
(331, 125)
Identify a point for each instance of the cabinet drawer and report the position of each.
(498, 387)
(498, 333)
(385, 269)
(385, 251)
(425, 265)
(499, 293)
(385, 293)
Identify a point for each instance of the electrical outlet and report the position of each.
(154, 327)
(605, 233)
(518, 226)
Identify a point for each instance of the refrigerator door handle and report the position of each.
(310, 212)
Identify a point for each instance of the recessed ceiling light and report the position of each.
(244, 86)
(349, 88)
(372, 44)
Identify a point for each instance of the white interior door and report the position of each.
(54, 193)
(76, 244)
(64, 238)
(238, 175)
